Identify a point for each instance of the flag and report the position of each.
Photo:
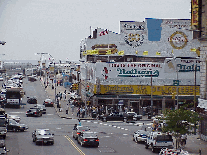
(103, 32)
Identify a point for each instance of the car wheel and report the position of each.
(146, 146)
(52, 143)
(14, 129)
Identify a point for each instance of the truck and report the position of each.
(159, 140)
(3, 123)
(13, 97)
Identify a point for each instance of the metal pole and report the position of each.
(151, 97)
(55, 81)
(177, 86)
(195, 89)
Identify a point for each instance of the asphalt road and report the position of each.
(115, 137)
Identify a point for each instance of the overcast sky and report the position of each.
(58, 26)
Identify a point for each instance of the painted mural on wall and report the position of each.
(132, 73)
(154, 37)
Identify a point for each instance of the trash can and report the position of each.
(149, 115)
(93, 114)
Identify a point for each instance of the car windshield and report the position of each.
(12, 121)
(48, 100)
(83, 128)
(43, 132)
(89, 134)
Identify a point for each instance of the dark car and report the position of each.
(43, 136)
(41, 107)
(34, 112)
(48, 102)
(88, 139)
(14, 126)
(78, 130)
(32, 100)
(134, 116)
(115, 116)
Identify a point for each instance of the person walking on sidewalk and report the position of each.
(78, 112)
(67, 109)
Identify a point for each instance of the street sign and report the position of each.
(175, 82)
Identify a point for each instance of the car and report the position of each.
(115, 116)
(78, 130)
(1, 78)
(15, 126)
(32, 100)
(43, 136)
(88, 139)
(48, 102)
(140, 136)
(134, 116)
(41, 107)
(14, 117)
(34, 112)
(3, 150)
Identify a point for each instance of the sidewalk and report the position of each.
(193, 144)
(51, 94)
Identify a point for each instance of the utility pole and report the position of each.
(151, 96)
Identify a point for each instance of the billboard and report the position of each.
(146, 90)
(194, 14)
(204, 20)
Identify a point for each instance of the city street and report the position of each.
(115, 137)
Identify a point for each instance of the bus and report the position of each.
(13, 98)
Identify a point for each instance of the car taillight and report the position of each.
(85, 140)
(97, 140)
(35, 112)
(78, 133)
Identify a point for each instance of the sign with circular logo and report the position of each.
(134, 40)
(178, 40)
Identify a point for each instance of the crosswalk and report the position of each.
(115, 126)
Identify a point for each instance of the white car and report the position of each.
(1, 78)
(140, 136)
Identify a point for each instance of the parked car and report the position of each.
(41, 107)
(158, 140)
(15, 126)
(43, 136)
(3, 149)
(134, 116)
(32, 100)
(48, 102)
(78, 130)
(115, 116)
(88, 139)
(34, 112)
(14, 117)
(140, 136)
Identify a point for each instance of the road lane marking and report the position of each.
(74, 145)
(126, 129)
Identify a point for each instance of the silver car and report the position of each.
(43, 136)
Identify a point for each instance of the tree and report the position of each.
(179, 122)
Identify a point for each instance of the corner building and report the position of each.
(156, 60)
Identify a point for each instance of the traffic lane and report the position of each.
(116, 140)
(21, 142)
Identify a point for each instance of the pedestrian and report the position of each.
(64, 96)
(67, 109)
(60, 96)
(78, 112)
(72, 107)
(79, 122)
(83, 113)
(58, 104)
